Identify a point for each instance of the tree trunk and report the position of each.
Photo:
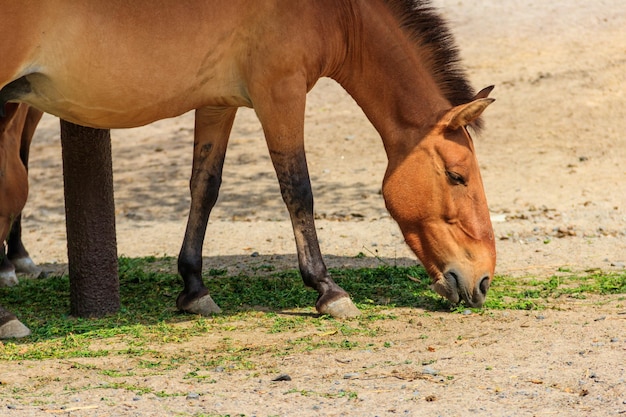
(90, 220)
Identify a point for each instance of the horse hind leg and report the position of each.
(212, 130)
(10, 326)
(16, 251)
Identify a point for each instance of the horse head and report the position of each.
(435, 193)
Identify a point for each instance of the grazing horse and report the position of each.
(16, 132)
(117, 64)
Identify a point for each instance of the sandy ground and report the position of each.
(553, 161)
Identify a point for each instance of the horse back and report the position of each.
(136, 62)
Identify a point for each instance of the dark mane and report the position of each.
(430, 32)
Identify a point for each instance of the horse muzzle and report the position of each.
(456, 288)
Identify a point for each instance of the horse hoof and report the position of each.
(204, 306)
(13, 329)
(27, 266)
(342, 308)
(8, 279)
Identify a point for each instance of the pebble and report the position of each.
(193, 396)
(430, 371)
(467, 312)
(11, 407)
(351, 375)
(282, 377)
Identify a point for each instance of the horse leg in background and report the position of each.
(282, 117)
(8, 278)
(16, 252)
(10, 326)
(212, 129)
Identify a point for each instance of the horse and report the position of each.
(16, 133)
(120, 64)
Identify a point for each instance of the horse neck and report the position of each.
(388, 78)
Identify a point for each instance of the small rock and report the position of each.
(351, 375)
(12, 407)
(430, 371)
(137, 398)
(282, 377)
(193, 396)
(467, 312)
(254, 254)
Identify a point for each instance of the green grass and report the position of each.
(148, 316)
(532, 293)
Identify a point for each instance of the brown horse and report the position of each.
(16, 132)
(115, 64)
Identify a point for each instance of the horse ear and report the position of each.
(465, 114)
(484, 93)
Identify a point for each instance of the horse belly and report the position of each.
(119, 103)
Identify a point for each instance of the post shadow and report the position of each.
(90, 220)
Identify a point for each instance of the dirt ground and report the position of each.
(553, 159)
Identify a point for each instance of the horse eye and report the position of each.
(456, 179)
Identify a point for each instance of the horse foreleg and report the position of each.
(285, 140)
(212, 129)
(296, 191)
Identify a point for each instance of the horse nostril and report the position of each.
(484, 285)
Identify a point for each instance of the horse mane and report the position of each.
(430, 33)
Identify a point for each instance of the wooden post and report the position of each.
(90, 220)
